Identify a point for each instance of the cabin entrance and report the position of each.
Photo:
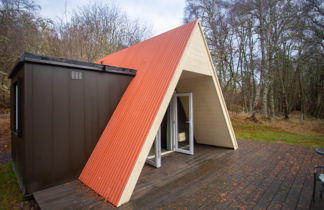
(176, 130)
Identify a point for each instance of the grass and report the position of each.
(304, 133)
(10, 193)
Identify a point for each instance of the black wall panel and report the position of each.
(63, 120)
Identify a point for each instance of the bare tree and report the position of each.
(267, 52)
(18, 33)
(94, 31)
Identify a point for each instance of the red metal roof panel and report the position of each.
(112, 161)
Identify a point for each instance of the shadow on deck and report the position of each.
(258, 175)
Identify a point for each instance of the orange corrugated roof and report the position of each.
(112, 160)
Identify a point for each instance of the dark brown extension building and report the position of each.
(59, 109)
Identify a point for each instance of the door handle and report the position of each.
(188, 121)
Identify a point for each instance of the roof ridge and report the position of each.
(144, 42)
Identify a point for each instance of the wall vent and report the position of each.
(76, 75)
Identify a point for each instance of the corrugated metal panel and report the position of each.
(110, 165)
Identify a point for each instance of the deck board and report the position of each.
(258, 175)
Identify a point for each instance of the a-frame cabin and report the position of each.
(177, 61)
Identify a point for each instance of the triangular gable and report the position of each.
(209, 107)
(119, 156)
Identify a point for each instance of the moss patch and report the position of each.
(10, 193)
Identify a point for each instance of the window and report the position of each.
(16, 108)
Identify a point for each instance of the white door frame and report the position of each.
(155, 160)
(174, 117)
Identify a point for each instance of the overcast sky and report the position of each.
(162, 14)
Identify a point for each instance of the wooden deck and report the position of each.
(258, 175)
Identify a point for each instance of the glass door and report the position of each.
(182, 118)
(179, 130)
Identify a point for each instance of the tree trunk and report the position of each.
(272, 105)
(302, 106)
(265, 100)
(256, 101)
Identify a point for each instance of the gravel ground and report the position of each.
(28, 205)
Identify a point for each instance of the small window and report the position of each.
(17, 102)
(16, 108)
